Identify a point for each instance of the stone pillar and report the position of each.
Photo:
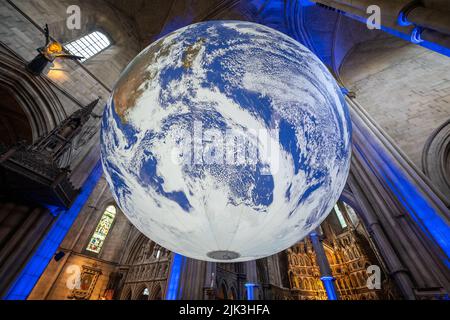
(174, 289)
(252, 279)
(209, 289)
(326, 274)
(22, 228)
(405, 216)
(187, 279)
(274, 271)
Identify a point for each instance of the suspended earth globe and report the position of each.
(226, 141)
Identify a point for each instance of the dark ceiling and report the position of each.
(148, 16)
(154, 17)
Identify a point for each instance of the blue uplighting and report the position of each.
(175, 275)
(402, 20)
(420, 210)
(329, 287)
(416, 35)
(413, 38)
(41, 258)
(250, 291)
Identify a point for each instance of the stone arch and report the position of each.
(345, 257)
(436, 158)
(137, 242)
(139, 292)
(35, 95)
(312, 284)
(361, 279)
(354, 280)
(293, 280)
(127, 293)
(156, 292)
(348, 198)
(350, 254)
(356, 252)
(294, 260)
(14, 124)
(307, 261)
(305, 285)
(342, 284)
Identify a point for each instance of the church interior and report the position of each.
(63, 237)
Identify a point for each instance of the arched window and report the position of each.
(340, 217)
(89, 45)
(144, 294)
(102, 230)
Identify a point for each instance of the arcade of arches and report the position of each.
(399, 96)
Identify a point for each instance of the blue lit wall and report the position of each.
(426, 44)
(173, 287)
(250, 291)
(329, 287)
(419, 208)
(41, 258)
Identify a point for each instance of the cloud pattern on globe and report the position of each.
(166, 151)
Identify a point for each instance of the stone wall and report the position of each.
(404, 87)
(74, 84)
(53, 282)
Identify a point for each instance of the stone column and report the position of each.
(274, 271)
(22, 227)
(191, 283)
(252, 279)
(209, 289)
(174, 289)
(405, 216)
(326, 274)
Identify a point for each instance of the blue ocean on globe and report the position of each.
(226, 141)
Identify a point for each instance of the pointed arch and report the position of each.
(127, 293)
(35, 95)
(156, 292)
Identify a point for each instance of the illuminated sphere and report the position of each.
(226, 141)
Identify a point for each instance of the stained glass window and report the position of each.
(89, 45)
(102, 230)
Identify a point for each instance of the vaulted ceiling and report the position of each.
(149, 16)
(153, 18)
